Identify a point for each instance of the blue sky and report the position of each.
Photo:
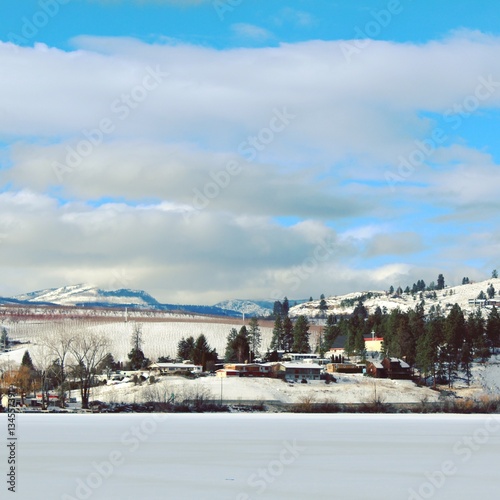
(212, 22)
(213, 149)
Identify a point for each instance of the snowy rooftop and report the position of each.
(301, 365)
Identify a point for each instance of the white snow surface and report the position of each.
(257, 456)
(350, 388)
(245, 307)
(84, 293)
(160, 338)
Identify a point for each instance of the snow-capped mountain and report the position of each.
(463, 295)
(85, 295)
(88, 295)
(247, 307)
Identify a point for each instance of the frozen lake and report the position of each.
(258, 456)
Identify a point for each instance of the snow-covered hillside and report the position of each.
(247, 307)
(160, 338)
(344, 304)
(84, 294)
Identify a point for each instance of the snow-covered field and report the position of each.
(348, 389)
(250, 457)
(160, 338)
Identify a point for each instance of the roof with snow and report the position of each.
(296, 366)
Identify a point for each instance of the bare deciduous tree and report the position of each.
(59, 344)
(88, 351)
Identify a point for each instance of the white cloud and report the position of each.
(250, 31)
(351, 123)
(296, 17)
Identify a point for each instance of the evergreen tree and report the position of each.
(277, 309)
(494, 274)
(481, 296)
(491, 291)
(242, 347)
(407, 290)
(301, 336)
(254, 338)
(26, 361)
(230, 355)
(137, 360)
(405, 343)
(360, 311)
(440, 282)
(421, 285)
(391, 289)
(287, 334)
(416, 323)
(107, 365)
(473, 342)
(185, 348)
(277, 339)
(330, 332)
(286, 307)
(4, 339)
(203, 353)
(359, 344)
(322, 304)
(427, 347)
(164, 359)
(454, 337)
(350, 342)
(389, 329)
(465, 280)
(271, 357)
(238, 348)
(493, 328)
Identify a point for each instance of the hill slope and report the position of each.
(85, 295)
(88, 295)
(344, 304)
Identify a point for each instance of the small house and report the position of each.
(165, 368)
(226, 372)
(298, 371)
(376, 369)
(344, 368)
(396, 368)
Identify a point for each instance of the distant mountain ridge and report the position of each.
(86, 295)
(247, 307)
